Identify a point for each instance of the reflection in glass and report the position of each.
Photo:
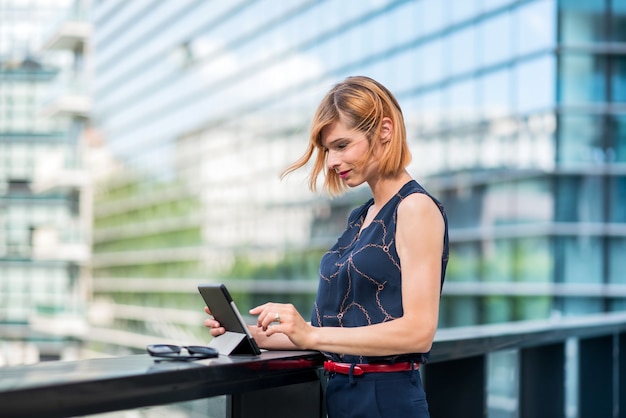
(497, 309)
(580, 199)
(400, 71)
(495, 93)
(515, 203)
(580, 139)
(535, 26)
(617, 22)
(464, 264)
(582, 78)
(571, 378)
(458, 311)
(575, 306)
(461, 101)
(581, 263)
(215, 407)
(459, 10)
(535, 84)
(533, 260)
(495, 39)
(403, 17)
(499, 260)
(462, 50)
(617, 200)
(533, 307)
(432, 66)
(617, 140)
(502, 384)
(433, 15)
(617, 261)
(582, 20)
(618, 78)
(465, 206)
(432, 112)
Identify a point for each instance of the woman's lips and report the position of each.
(344, 174)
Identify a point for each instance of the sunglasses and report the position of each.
(182, 353)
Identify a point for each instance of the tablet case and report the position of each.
(237, 339)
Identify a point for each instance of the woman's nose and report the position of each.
(331, 160)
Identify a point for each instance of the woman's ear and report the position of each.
(386, 130)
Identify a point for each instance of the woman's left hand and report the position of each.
(284, 318)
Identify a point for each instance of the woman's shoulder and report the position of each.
(412, 187)
(416, 201)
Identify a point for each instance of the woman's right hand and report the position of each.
(215, 327)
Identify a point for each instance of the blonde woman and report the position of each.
(377, 303)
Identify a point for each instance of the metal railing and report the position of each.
(567, 367)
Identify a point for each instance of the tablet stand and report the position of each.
(232, 343)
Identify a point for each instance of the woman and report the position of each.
(377, 304)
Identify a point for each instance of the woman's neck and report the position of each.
(385, 188)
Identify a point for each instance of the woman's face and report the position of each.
(345, 153)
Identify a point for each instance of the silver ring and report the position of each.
(277, 318)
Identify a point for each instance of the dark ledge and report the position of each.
(59, 389)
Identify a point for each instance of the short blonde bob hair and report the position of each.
(361, 104)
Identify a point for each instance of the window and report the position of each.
(618, 78)
(432, 68)
(617, 201)
(580, 139)
(464, 265)
(617, 261)
(496, 39)
(535, 26)
(462, 51)
(617, 22)
(582, 21)
(580, 199)
(496, 93)
(457, 311)
(535, 84)
(581, 260)
(499, 259)
(460, 10)
(464, 206)
(432, 15)
(461, 101)
(583, 78)
(533, 260)
(19, 187)
(617, 138)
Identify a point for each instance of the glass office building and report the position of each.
(43, 218)
(516, 114)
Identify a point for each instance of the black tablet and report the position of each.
(237, 339)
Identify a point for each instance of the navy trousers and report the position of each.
(376, 395)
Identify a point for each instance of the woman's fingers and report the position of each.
(274, 314)
(262, 312)
(216, 328)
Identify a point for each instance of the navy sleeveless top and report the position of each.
(360, 277)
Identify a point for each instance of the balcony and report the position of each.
(68, 97)
(571, 367)
(55, 171)
(48, 244)
(69, 32)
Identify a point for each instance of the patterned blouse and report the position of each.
(360, 277)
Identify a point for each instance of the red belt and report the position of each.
(359, 369)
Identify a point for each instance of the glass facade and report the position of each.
(516, 120)
(43, 249)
